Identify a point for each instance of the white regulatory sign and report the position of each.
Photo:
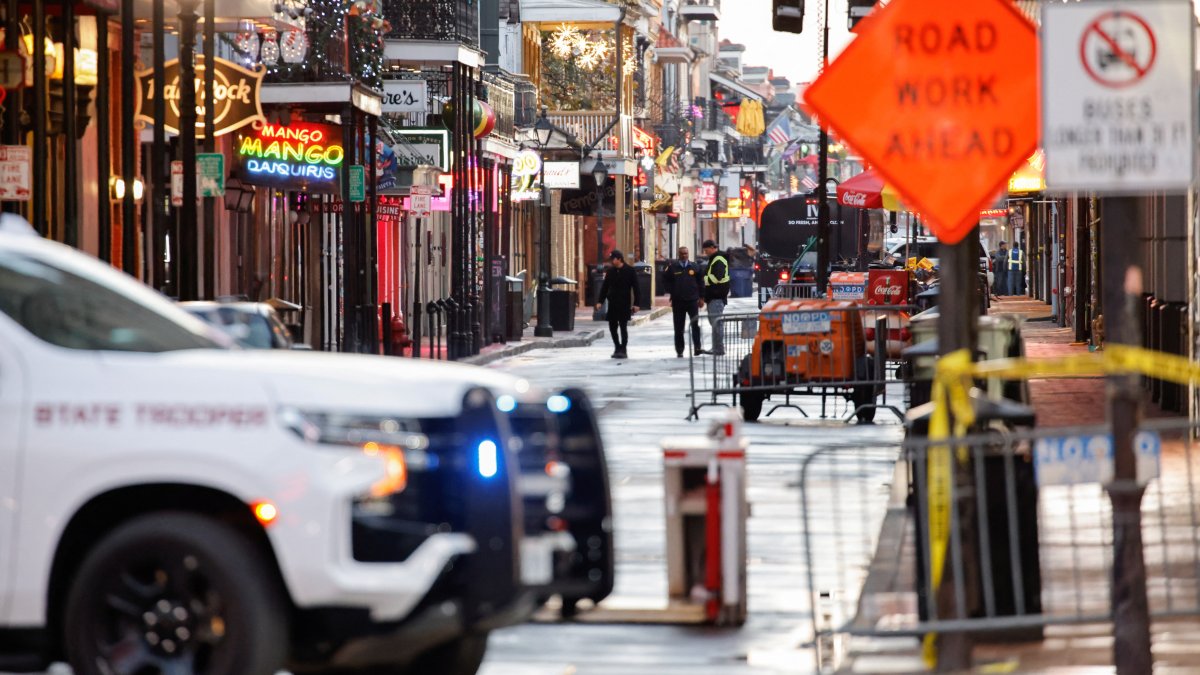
(1117, 96)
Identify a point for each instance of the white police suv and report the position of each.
(172, 505)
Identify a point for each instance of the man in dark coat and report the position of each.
(620, 289)
(1000, 270)
(685, 283)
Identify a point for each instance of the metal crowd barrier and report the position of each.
(796, 291)
(1023, 526)
(830, 353)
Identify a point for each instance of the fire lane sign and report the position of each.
(941, 98)
(1118, 113)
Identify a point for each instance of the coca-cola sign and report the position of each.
(852, 198)
(887, 287)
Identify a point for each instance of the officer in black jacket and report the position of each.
(685, 282)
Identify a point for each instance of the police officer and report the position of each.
(1016, 269)
(716, 293)
(1000, 270)
(686, 285)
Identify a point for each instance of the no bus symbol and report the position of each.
(1118, 49)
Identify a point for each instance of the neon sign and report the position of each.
(527, 167)
(300, 155)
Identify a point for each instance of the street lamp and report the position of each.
(543, 130)
(600, 176)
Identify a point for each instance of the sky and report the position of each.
(793, 56)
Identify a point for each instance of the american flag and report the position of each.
(808, 182)
(780, 132)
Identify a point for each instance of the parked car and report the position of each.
(254, 325)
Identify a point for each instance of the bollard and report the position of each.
(706, 511)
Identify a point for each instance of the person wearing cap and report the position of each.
(716, 293)
(620, 289)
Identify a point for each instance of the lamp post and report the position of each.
(543, 130)
(600, 176)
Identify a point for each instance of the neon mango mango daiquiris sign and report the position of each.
(300, 155)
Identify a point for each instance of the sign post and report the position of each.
(1119, 119)
(358, 183)
(420, 201)
(210, 171)
(15, 172)
(950, 113)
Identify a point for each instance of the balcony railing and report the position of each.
(440, 20)
(701, 10)
(587, 126)
(326, 62)
(502, 98)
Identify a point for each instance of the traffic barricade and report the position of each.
(837, 351)
(998, 534)
(704, 482)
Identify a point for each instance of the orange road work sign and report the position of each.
(942, 99)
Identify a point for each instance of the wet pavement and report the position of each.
(642, 401)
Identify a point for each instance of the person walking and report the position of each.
(716, 293)
(685, 284)
(1016, 269)
(1000, 270)
(620, 289)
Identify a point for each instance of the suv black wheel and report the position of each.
(175, 593)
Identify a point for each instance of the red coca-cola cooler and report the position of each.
(888, 287)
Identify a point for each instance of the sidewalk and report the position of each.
(889, 593)
(586, 332)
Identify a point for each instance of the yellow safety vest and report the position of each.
(1018, 262)
(710, 278)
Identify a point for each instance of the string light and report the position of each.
(270, 49)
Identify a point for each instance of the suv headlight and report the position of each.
(398, 443)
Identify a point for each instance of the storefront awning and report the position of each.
(867, 190)
(570, 11)
(734, 86)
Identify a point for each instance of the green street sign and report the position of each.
(358, 183)
(210, 172)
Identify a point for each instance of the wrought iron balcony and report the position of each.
(438, 20)
(326, 62)
(502, 98)
(701, 10)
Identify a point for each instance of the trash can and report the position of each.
(562, 303)
(595, 281)
(644, 275)
(514, 318)
(995, 478)
(704, 480)
(741, 282)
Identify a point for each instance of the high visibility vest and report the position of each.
(710, 278)
(1016, 259)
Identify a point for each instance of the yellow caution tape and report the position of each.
(953, 415)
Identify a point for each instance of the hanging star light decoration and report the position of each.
(588, 60)
(599, 49)
(565, 40)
